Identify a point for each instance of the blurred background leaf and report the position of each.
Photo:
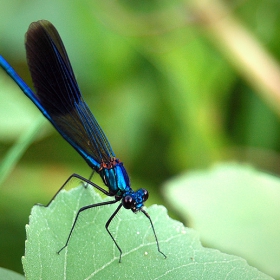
(235, 208)
(175, 85)
(10, 275)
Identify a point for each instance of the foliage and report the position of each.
(235, 209)
(91, 254)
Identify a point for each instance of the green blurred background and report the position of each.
(175, 86)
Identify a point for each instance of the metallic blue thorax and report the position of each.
(115, 177)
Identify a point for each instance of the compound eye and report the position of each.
(145, 195)
(128, 202)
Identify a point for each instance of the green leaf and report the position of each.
(10, 275)
(91, 254)
(16, 111)
(235, 208)
(17, 150)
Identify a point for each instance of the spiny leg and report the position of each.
(77, 216)
(107, 225)
(148, 216)
(84, 180)
(85, 184)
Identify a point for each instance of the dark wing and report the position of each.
(59, 95)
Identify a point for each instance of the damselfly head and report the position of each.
(135, 200)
